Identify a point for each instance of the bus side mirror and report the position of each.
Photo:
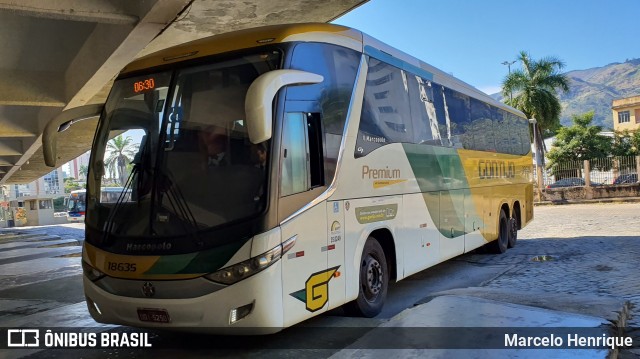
(258, 104)
(62, 122)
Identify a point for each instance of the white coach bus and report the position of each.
(288, 170)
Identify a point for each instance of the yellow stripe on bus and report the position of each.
(127, 266)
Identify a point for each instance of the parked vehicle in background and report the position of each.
(76, 206)
(76, 203)
(626, 179)
(571, 182)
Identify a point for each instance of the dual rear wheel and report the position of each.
(374, 273)
(507, 234)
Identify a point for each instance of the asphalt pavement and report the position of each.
(574, 269)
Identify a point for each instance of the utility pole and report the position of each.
(538, 163)
(508, 64)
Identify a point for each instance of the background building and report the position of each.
(77, 164)
(32, 204)
(626, 113)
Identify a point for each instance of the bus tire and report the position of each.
(513, 232)
(501, 244)
(373, 281)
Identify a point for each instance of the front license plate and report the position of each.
(154, 315)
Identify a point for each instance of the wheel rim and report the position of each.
(372, 278)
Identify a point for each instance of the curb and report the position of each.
(619, 326)
(580, 201)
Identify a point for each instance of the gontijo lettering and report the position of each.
(496, 169)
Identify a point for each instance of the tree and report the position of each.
(121, 151)
(84, 170)
(70, 184)
(578, 142)
(626, 143)
(533, 90)
(58, 205)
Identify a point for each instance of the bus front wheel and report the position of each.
(373, 281)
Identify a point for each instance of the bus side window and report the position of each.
(386, 115)
(302, 154)
(423, 111)
(482, 122)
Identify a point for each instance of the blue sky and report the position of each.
(471, 38)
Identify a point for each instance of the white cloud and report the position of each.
(490, 90)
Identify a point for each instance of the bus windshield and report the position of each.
(177, 143)
(76, 203)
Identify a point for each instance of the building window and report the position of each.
(46, 204)
(52, 183)
(381, 95)
(386, 109)
(32, 205)
(624, 117)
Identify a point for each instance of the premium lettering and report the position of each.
(380, 173)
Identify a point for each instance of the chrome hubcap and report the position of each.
(374, 277)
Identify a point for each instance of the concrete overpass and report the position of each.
(62, 54)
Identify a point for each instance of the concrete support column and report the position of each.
(638, 167)
(539, 180)
(587, 173)
(587, 180)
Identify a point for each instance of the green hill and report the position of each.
(595, 89)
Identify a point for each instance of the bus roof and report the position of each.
(249, 38)
(313, 32)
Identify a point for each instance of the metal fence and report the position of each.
(602, 171)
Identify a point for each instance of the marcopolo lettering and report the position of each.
(380, 173)
(139, 247)
(496, 169)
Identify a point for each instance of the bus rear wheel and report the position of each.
(373, 282)
(501, 244)
(513, 232)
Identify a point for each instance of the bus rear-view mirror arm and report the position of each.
(62, 122)
(258, 104)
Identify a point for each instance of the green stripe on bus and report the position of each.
(442, 181)
(196, 263)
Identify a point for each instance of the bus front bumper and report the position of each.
(210, 313)
(75, 218)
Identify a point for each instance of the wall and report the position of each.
(580, 193)
(38, 216)
(33, 217)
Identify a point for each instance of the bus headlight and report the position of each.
(91, 273)
(245, 269)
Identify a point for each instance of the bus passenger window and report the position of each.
(386, 113)
(423, 112)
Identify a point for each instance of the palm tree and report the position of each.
(83, 171)
(532, 90)
(120, 152)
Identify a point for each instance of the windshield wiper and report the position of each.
(178, 203)
(110, 219)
